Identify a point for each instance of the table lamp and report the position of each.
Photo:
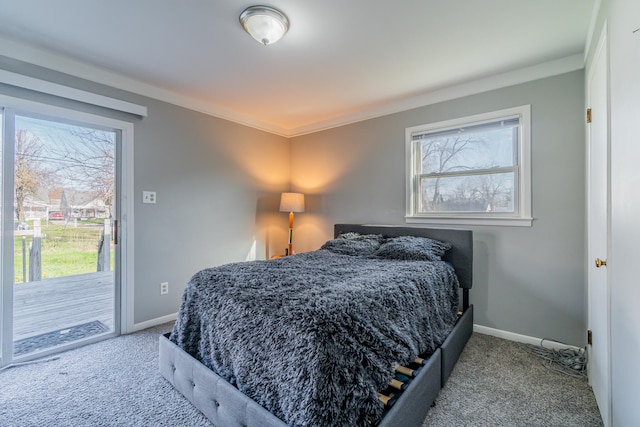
(291, 202)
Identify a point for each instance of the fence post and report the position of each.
(24, 259)
(104, 247)
(35, 253)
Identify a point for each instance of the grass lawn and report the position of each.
(65, 250)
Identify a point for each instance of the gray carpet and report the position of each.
(117, 383)
(499, 383)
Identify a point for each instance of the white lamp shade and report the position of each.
(292, 202)
(264, 24)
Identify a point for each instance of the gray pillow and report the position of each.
(413, 248)
(354, 244)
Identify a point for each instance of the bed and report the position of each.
(211, 361)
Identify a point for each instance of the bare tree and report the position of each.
(29, 176)
(494, 191)
(484, 191)
(441, 155)
(86, 158)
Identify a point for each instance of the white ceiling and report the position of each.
(341, 61)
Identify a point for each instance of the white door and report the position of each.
(598, 231)
(60, 210)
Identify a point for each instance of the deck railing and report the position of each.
(34, 259)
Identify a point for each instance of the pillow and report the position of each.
(354, 244)
(413, 248)
(357, 236)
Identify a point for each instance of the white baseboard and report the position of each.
(511, 336)
(153, 322)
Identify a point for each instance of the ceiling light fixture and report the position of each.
(265, 24)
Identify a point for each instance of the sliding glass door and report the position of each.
(60, 254)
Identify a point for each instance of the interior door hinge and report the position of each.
(589, 337)
(588, 115)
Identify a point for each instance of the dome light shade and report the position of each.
(265, 24)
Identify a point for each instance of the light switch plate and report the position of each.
(148, 197)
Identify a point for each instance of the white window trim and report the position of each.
(521, 219)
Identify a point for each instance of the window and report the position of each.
(472, 170)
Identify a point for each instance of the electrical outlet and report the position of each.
(164, 288)
(149, 197)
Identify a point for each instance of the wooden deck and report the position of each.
(52, 304)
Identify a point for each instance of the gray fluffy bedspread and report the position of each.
(313, 337)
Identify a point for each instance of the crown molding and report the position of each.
(56, 62)
(31, 54)
(498, 81)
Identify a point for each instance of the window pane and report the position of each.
(466, 151)
(65, 179)
(473, 193)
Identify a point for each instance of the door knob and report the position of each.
(600, 263)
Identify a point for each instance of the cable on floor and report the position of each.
(568, 361)
(31, 362)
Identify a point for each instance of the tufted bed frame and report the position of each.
(225, 406)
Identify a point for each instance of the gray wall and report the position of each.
(218, 186)
(217, 182)
(528, 281)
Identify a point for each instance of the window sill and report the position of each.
(500, 221)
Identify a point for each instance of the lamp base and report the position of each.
(290, 251)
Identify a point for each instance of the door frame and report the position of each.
(123, 276)
(601, 54)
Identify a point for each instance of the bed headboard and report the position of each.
(460, 255)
